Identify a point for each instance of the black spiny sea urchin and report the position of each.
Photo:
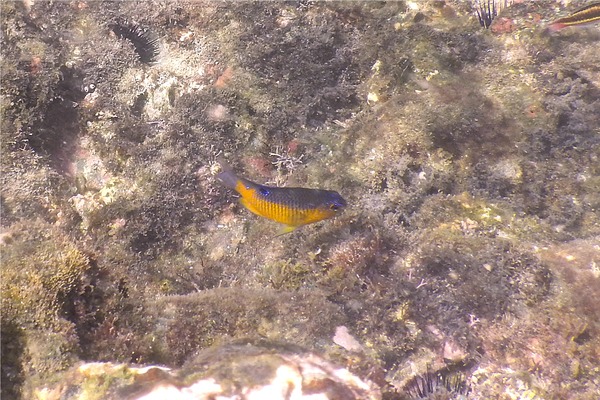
(146, 42)
(440, 384)
(487, 10)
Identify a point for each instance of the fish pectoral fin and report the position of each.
(286, 229)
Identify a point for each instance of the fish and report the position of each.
(291, 206)
(585, 15)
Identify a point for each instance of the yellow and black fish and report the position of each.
(586, 15)
(291, 206)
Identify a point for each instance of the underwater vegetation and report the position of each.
(466, 161)
(44, 283)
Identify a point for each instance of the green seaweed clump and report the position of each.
(43, 275)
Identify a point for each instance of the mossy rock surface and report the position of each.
(469, 159)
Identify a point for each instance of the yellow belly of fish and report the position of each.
(281, 213)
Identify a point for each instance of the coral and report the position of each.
(40, 275)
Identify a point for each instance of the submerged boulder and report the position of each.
(235, 371)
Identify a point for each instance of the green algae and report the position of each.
(39, 274)
(286, 275)
(99, 386)
(43, 275)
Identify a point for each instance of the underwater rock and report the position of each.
(344, 339)
(43, 285)
(469, 158)
(179, 326)
(235, 371)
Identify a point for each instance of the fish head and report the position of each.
(333, 203)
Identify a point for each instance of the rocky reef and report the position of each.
(466, 264)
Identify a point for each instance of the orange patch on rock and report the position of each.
(224, 78)
(532, 111)
(259, 165)
(36, 65)
(503, 25)
(292, 146)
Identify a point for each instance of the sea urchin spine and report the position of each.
(487, 10)
(146, 42)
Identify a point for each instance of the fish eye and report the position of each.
(334, 207)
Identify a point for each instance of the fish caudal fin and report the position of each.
(556, 26)
(228, 178)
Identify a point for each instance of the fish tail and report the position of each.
(556, 26)
(227, 176)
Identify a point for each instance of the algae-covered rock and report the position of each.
(181, 325)
(238, 371)
(43, 278)
(469, 159)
